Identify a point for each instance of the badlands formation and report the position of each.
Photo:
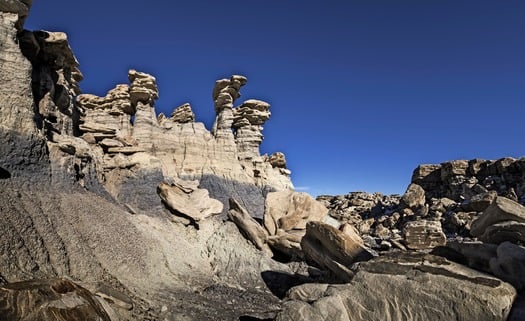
(112, 212)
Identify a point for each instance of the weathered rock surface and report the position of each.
(248, 226)
(185, 198)
(285, 218)
(50, 300)
(423, 234)
(183, 149)
(414, 197)
(289, 210)
(397, 288)
(183, 114)
(462, 179)
(502, 209)
(333, 249)
(505, 261)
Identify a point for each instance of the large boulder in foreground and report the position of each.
(404, 287)
(333, 249)
(285, 217)
(50, 300)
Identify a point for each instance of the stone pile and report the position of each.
(462, 179)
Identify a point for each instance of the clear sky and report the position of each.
(362, 91)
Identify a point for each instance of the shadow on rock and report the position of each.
(280, 282)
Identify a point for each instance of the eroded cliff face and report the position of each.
(80, 178)
(130, 140)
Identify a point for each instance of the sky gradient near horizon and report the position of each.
(361, 91)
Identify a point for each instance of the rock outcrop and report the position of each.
(460, 180)
(133, 207)
(179, 148)
(397, 288)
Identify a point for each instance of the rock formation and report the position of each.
(110, 212)
(178, 147)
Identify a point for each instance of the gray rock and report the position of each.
(397, 288)
(511, 231)
(249, 227)
(509, 264)
(501, 209)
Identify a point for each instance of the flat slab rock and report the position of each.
(404, 287)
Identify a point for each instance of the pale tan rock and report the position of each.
(277, 159)
(423, 234)
(126, 149)
(225, 92)
(116, 100)
(249, 226)
(189, 200)
(289, 210)
(18, 7)
(143, 87)
(108, 142)
(183, 114)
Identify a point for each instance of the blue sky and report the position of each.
(361, 91)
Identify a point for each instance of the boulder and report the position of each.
(333, 249)
(289, 210)
(501, 209)
(414, 197)
(183, 114)
(404, 287)
(249, 227)
(423, 234)
(505, 261)
(480, 202)
(511, 231)
(186, 199)
(509, 264)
